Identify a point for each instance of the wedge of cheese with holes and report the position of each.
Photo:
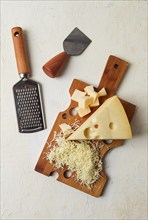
(109, 121)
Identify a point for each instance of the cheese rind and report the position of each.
(109, 121)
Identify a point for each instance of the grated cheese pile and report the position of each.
(81, 157)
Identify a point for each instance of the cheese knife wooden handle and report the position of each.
(54, 66)
(19, 48)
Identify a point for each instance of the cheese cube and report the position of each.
(95, 104)
(87, 99)
(89, 89)
(102, 92)
(91, 92)
(77, 95)
(83, 111)
(85, 102)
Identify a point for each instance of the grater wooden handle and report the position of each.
(19, 48)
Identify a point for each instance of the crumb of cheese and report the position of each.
(81, 157)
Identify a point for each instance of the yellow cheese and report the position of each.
(77, 95)
(95, 103)
(85, 101)
(83, 111)
(89, 89)
(80, 157)
(102, 92)
(91, 92)
(107, 122)
(66, 129)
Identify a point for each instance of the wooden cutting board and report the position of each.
(111, 78)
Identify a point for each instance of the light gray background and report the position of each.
(115, 27)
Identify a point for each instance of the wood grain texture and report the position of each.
(43, 166)
(53, 67)
(20, 52)
(112, 76)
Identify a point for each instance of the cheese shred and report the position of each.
(81, 157)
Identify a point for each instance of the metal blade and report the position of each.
(76, 42)
(28, 106)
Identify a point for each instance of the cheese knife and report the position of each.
(74, 44)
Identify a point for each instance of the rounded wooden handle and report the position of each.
(54, 66)
(20, 53)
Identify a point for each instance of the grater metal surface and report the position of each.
(28, 106)
(26, 92)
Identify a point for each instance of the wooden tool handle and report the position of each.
(113, 74)
(54, 66)
(20, 53)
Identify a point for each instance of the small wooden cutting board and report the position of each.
(111, 78)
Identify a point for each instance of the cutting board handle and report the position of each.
(54, 66)
(19, 48)
(113, 74)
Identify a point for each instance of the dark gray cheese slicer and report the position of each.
(74, 44)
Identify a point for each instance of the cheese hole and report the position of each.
(67, 174)
(112, 126)
(73, 111)
(54, 174)
(88, 132)
(109, 141)
(96, 126)
(64, 116)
